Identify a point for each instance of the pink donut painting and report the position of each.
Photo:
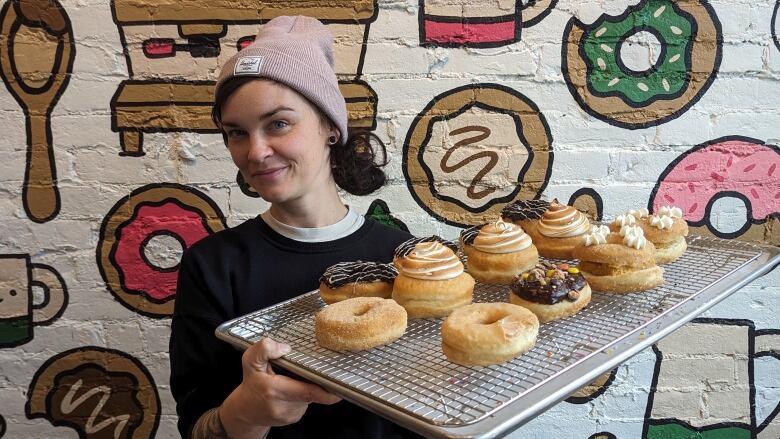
(733, 166)
(180, 216)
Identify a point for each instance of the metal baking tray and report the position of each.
(413, 384)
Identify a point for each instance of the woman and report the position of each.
(285, 125)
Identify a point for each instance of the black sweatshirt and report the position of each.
(243, 269)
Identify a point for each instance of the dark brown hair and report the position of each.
(354, 164)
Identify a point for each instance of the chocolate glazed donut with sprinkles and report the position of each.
(357, 279)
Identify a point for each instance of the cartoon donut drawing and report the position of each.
(475, 148)
(99, 392)
(180, 213)
(732, 166)
(589, 202)
(690, 37)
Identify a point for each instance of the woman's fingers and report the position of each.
(256, 357)
(299, 391)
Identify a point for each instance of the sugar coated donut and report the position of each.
(497, 252)
(482, 334)
(357, 279)
(359, 323)
(180, 212)
(733, 166)
(689, 34)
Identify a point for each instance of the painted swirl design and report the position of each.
(561, 221)
(501, 237)
(430, 261)
(492, 157)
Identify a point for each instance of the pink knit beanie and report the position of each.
(297, 52)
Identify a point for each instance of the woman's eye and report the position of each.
(279, 124)
(235, 133)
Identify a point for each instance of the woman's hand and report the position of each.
(264, 399)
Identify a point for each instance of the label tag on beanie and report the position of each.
(248, 65)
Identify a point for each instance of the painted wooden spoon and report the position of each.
(36, 59)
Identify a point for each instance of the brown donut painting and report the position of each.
(475, 148)
(98, 392)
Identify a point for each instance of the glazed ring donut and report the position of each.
(359, 323)
(605, 87)
(180, 212)
(482, 334)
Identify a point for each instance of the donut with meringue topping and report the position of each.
(560, 229)
(618, 262)
(357, 279)
(525, 213)
(497, 252)
(431, 280)
(483, 334)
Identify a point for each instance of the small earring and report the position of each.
(332, 140)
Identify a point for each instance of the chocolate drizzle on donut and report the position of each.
(406, 247)
(345, 273)
(470, 234)
(525, 210)
(549, 284)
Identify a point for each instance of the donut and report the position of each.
(110, 393)
(357, 279)
(473, 149)
(177, 211)
(618, 264)
(551, 291)
(431, 280)
(497, 252)
(733, 166)
(689, 34)
(408, 246)
(559, 231)
(482, 334)
(667, 231)
(525, 213)
(359, 323)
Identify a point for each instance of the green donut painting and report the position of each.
(689, 35)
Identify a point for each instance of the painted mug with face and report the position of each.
(18, 312)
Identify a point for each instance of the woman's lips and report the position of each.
(269, 174)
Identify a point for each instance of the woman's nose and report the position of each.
(259, 148)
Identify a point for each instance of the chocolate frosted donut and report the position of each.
(551, 291)
(522, 210)
(357, 279)
(345, 273)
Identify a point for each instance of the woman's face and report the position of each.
(277, 141)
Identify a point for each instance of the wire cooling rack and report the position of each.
(412, 382)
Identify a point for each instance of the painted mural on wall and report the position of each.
(142, 239)
(480, 23)
(707, 389)
(589, 202)
(776, 25)
(98, 392)
(173, 58)
(36, 60)
(20, 313)
(475, 148)
(379, 211)
(733, 166)
(616, 88)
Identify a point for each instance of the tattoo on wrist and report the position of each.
(209, 426)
